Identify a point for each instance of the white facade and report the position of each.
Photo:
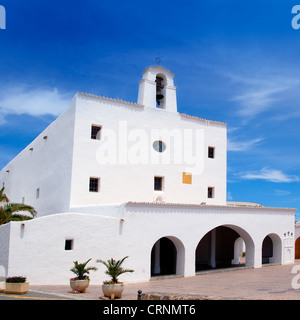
(159, 174)
(61, 160)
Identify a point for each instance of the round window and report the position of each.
(159, 146)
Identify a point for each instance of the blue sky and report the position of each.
(234, 61)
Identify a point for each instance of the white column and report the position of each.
(190, 257)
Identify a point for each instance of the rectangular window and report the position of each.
(69, 244)
(210, 192)
(37, 193)
(94, 185)
(95, 132)
(158, 183)
(211, 152)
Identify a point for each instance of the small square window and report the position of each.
(158, 183)
(95, 132)
(211, 152)
(94, 185)
(210, 192)
(69, 244)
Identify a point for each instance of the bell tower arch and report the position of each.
(157, 90)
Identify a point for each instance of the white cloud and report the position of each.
(233, 145)
(272, 175)
(257, 94)
(256, 101)
(32, 101)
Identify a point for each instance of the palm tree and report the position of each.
(80, 269)
(3, 196)
(9, 211)
(114, 268)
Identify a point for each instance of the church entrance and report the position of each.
(167, 257)
(163, 258)
(221, 247)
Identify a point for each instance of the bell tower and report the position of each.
(157, 90)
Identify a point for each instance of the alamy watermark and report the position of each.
(124, 145)
(296, 18)
(2, 17)
(295, 280)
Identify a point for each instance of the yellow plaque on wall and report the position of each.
(186, 178)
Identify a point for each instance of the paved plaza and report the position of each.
(271, 282)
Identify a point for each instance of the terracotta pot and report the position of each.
(18, 288)
(113, 290)
(79, 285)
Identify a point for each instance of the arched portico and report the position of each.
(167, 257)
(271, 249)
(217, 248)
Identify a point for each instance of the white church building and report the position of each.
(111, 179)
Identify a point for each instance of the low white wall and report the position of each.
(37, 249)
(4, 249)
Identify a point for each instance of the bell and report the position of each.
(159, 96)
(159, 87)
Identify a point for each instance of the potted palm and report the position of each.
(81, 282)
(16, 284)
(113, 288)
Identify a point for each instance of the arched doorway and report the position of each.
(239, 251)
(217, 248)
(271, 249)
(167, 257)
(267, 250)
(297, 248)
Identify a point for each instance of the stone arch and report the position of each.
(216, 248)
(167, 256)
(271, 249)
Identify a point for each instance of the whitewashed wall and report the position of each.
(297, 231)
(61, 165)
(4, 249)
(46, 167)
(37, 250)
(130, 177)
